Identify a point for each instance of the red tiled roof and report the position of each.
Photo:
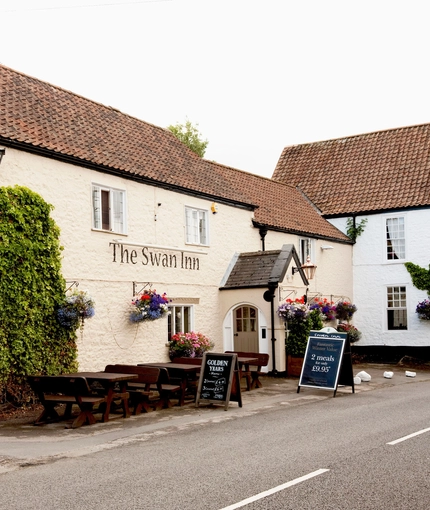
(364, 173)
(40, 117)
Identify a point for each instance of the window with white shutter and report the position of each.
(109, 209)
(196, 226)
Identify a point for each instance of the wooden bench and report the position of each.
(168, 388)
(142, 397)
(255, 370)
(55, 390)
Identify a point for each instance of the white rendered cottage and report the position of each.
(380, 181)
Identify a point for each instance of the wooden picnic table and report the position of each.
(108, 381)
(181, 371)
(244, 371)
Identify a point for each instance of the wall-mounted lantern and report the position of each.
(308, 268)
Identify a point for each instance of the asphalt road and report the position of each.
(301, 451)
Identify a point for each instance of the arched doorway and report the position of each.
(245, 329)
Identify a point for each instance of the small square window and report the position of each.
(109, 209)
(179, 320)
(196, 226)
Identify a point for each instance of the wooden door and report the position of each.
(246, 329)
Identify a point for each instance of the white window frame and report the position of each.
(196, 226)
(306, 247)
(176, 319)
(116, 217)
(395, 228)
(396, 303)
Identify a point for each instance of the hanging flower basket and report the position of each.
(326, 308)
(149, 306)
(77, 307)
(293, 310)
(423, 310)
(351, 331)
(345, 310)
(189, 345)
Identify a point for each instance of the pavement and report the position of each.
(23, 444)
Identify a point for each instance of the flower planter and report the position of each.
(294, 365)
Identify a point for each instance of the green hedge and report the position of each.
(31, 289)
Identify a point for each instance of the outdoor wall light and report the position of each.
(308, 268)
(326, 247)
(2, 153)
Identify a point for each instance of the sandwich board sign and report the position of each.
(327, 362)
(219, 379)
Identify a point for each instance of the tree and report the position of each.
(190, 136)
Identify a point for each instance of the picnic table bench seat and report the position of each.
(255, 371)
(55, 390)
(142, 396)
(192, 380)
(168, 388)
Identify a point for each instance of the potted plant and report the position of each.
(149, 306)
(189, 345)
(298, 322)
(423, 310)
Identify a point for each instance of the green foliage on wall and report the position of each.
(420, 276)
(353, 230)
(31, 289)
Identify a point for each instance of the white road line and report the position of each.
(410, 435)
(275, 489)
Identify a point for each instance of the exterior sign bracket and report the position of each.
(137, 285)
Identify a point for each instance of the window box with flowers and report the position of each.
(149, 306)
(189, 345)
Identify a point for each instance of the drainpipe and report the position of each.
(269, 296)
(263, 232)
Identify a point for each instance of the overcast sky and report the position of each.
(255, 75)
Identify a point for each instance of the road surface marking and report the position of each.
(410, 435)
(275, 489)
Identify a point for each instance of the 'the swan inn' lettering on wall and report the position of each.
(148, 257)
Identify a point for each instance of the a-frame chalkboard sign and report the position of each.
(219, 379)
(327, 361)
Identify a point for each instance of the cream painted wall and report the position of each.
(333, 276)
(88, 255)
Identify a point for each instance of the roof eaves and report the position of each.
(344, 239)
(66, 158)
